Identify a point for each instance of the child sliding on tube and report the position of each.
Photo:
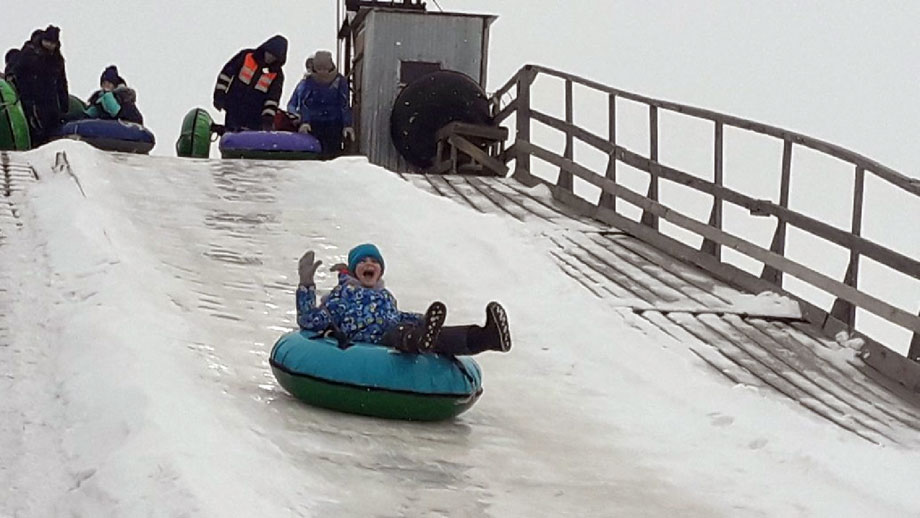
(360, 309)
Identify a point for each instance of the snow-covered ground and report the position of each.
(139, 298)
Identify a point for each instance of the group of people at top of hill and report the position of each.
(249, 88)
(37, 72)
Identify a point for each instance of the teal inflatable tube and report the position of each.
(374, 380)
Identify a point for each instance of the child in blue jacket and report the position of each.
(361, 309)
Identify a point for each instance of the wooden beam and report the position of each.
(466, 129)
(914, 352)
(842, 309)
(478, 155)
(565, 177)
(911, 185)
(715, 217)
(778, 245)
(816, 279)
(890, 258)
(440, 167)
(647, 217)
(505, 112)
(891, 364)
(607, 200)
(877, 356)
(511, 83)
(522, 124)
(725, 272)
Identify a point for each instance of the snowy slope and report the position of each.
(142, 295)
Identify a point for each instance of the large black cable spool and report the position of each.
(428, 104)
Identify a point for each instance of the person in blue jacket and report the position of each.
(249, 86)
(322, 101)
(361, 309)
(114, 100)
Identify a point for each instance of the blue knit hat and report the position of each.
(361, 252)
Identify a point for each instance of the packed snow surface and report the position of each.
(140, 297)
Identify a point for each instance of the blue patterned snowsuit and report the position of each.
(363, 314)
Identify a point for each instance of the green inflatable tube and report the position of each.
(75, 108)
(195, 139)
(372, 380)
(372, 402)
(14, 128)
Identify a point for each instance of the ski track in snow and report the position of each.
(137, 320)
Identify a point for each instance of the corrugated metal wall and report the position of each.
(390, 37)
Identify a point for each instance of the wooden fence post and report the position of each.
(715, 217)
(565, 180)
(608, 200)
(522, 124)
(778, 245)
(648, 218)
(914, 352)
(842, 310)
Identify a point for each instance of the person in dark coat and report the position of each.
(41, 81)
(249, 86)
(321, 100)
(8, 59)
(114, 100)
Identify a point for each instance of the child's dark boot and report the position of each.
(430, 328)
(497, 327)
(402, 338)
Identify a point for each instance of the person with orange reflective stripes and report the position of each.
(249, 86)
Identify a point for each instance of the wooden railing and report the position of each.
(512, 102)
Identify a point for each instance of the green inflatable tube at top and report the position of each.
(195, 138)
(14, 129)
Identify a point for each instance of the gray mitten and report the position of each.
(306, 268)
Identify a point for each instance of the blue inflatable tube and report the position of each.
(109, 135)
(272, 145)
(374, 380)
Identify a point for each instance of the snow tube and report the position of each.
(14, 129)
(428, 104)
(109, 135)
(373, 380)
(195, 139)
(271, 145)
(75, 108)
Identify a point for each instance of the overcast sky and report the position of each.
(846, 71)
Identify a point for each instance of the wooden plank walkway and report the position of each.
(15, 174)
(771, 350)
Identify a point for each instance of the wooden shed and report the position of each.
(394, 45)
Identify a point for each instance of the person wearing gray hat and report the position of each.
(322, 102)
